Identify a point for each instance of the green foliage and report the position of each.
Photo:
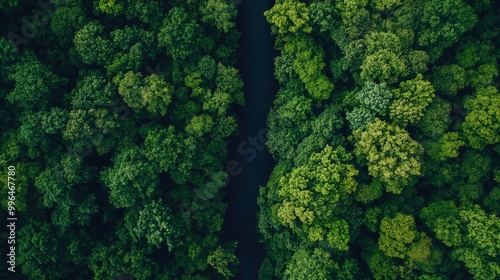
(92, 44)
(163, 147)
(199, 125)
(390, 153)
(224, 261)
(375, 97)
(482, 249)
(442, 23)
(66, 21)
(360, 117)
(116, 115)
(417, 85)
(448, 79)
(130, 178)
(308, 64)
(180, 34)
(410, 100)
(382, 66)
(446, 147)
(110, 7)
(436, 118)
(482, 77)
(152, 93)
(157, 225)
(310, 193)
(289, 17)
(156, 95)
(369, 192)
(382, 267)
(8, 3)
(220, 14)
(442, 217)
(482, 123)
(396, 234)
(306, 264)
(34, 83)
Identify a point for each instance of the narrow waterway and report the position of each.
(256, 63)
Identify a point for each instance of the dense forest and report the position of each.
(386, 132)
(116, 118)
(115, 115)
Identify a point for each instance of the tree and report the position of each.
(8, 3)
(386, 5)
(54, 121)
(93, 91)
(110, 7)
(150, 12)
(375, 97)
(130, 179)
(66, 21)
(381, 266)
(382, 66)
(448, 79)
(309, 64)
(92, 44)
(289, 17)
(133, 47)
(288, 124)
(436, 118)
(325, 130)
(156, 95)
(157, 224)
(41, 251)
(481, 250)
(228, 81)
(369, 192)
(34, 83)
(442, 23)
(360, 117)
(482, 77)
(130, 89)
(199, 125)
(321, 15)
(219, 14)
(163, 147)
(224, 261)
(410, 100)
(376, 41)
(446, 147)
(482, 123)
(116, 166)
(396, 234)
(416, 62)
(310, 194)
(442, 218)
(306, 264)
(52, 186)
(120, 258)
(180, 35)
(391, 155)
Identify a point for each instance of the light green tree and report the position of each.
(391, 154)
(482, 123)
(311, 193)
(410, 100)
(289, 17)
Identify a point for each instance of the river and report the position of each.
(256, 65)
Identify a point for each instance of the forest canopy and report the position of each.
(116, 117)
(386, 133)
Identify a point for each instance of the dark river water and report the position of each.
(250, 159)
